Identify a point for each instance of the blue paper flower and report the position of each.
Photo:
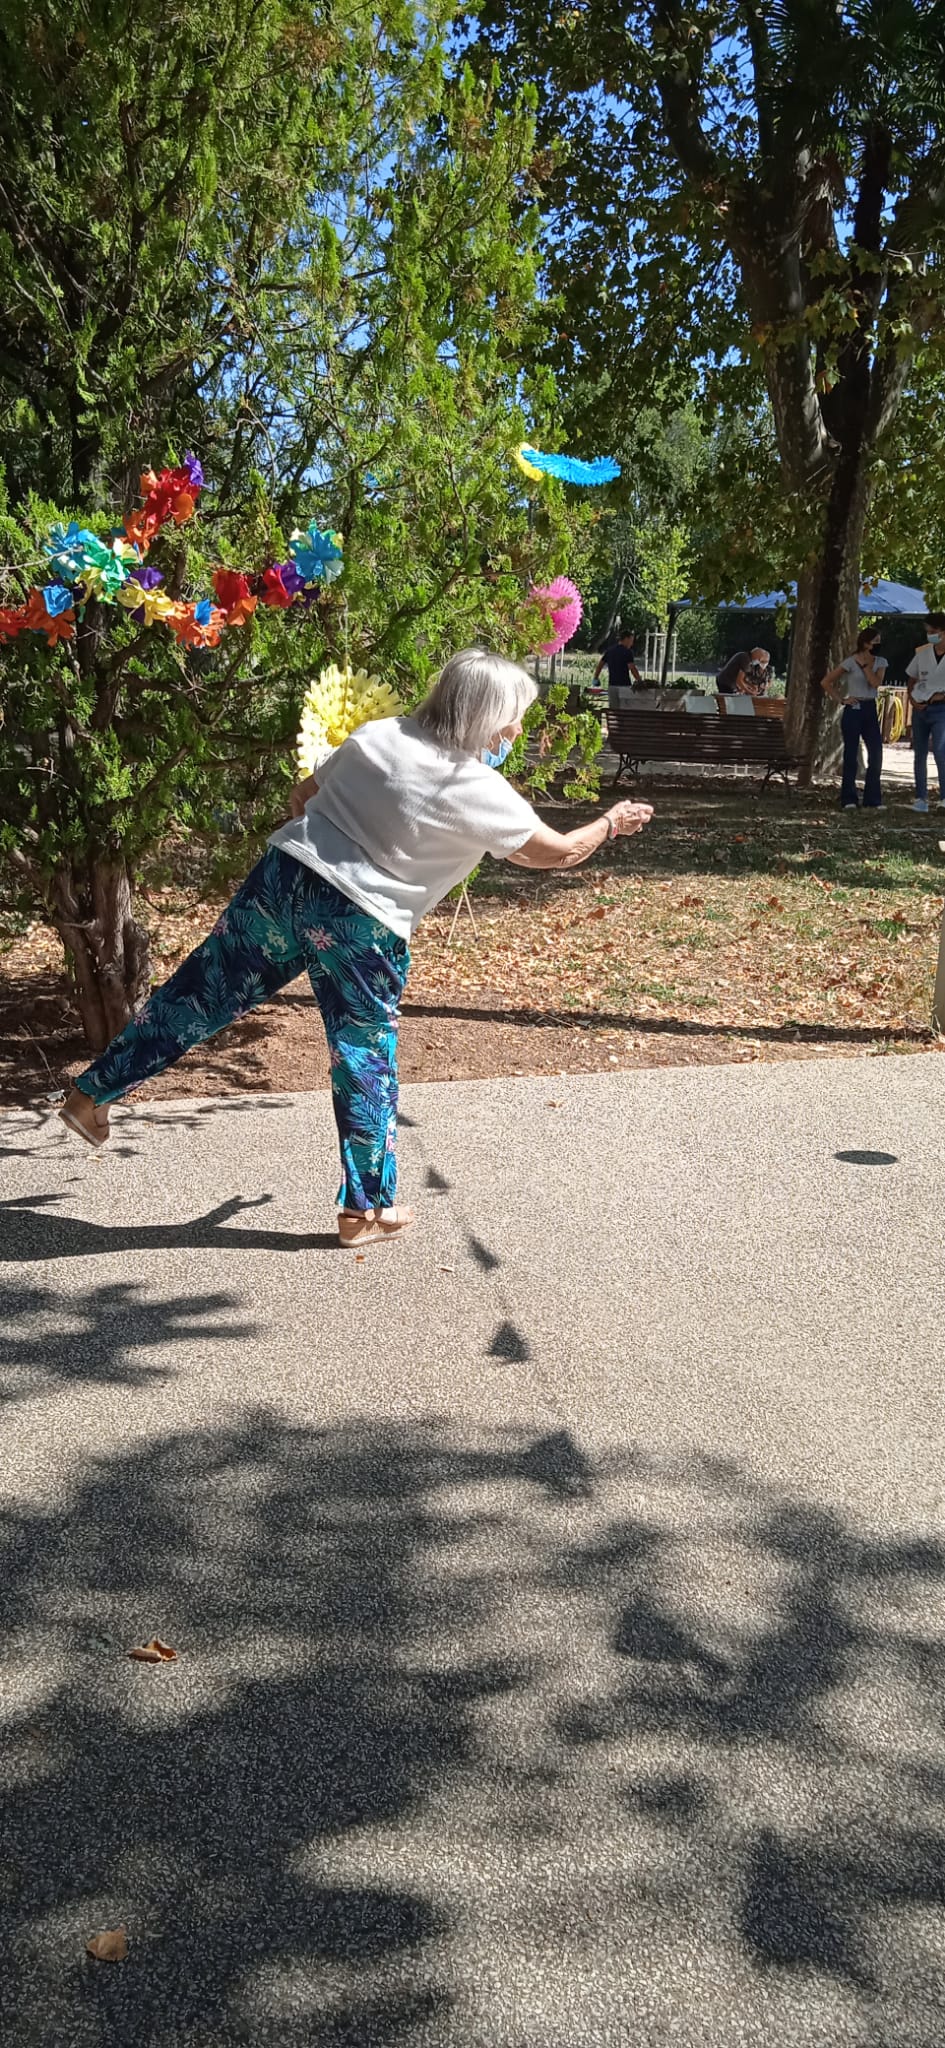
(568, 468)
(203, 612)
(318, 556)
(57, 598)
(68, 550)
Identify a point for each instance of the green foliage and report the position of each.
(696, 638)
(633, 558)
(283, 236)
(746, 205)
(560, 733)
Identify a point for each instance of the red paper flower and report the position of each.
(12, 621)
(274, 590)
(232, 589)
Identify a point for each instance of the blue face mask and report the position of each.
(495, 760)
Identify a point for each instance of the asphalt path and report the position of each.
(559, 1595)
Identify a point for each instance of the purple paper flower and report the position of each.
(149, 579)
(194, 471)
(292, 582)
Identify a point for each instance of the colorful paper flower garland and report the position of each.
(561, 603)
(334, 707)
(113, 571)
(567, 468)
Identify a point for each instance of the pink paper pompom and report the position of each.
(562, 602)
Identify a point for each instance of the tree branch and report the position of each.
(678, 84)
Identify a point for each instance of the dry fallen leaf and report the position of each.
(600, 912)
(154, 1652)
(111, 1946)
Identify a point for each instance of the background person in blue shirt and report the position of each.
(619, 663)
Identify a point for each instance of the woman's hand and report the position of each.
(301, 795)
(629, 817)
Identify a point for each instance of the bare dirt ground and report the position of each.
(736, 928)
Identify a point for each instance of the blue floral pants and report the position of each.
(286, 918)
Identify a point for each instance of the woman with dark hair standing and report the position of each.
(855, 684)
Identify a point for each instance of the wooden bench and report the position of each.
(637, 735)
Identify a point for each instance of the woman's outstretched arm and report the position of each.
(548, 849)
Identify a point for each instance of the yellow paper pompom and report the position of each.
(334, 706)
(527, 468)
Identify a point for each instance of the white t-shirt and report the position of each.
(855, 684)
(927, 673)
(399, 820)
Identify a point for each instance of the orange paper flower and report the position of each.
(190, 631)
(38, 620)
(62, 627)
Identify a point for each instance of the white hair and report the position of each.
(474, 696)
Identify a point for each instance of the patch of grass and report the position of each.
(662, 991)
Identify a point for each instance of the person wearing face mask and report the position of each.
(854, 684)
(501, 755)
(926, 673)
(386, 827)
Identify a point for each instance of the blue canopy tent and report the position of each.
(888, 598)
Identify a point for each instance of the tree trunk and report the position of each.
(613, 614)
(109, 952)
(828, 603)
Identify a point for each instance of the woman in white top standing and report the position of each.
(398, 816)
(926, 673)
(855, 684)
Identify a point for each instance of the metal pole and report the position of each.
(938, 1000)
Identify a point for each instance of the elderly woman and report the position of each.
(399, 816)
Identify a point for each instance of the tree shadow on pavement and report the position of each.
(456, 1752)
(92, 1337)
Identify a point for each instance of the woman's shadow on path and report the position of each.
(28, 1233)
